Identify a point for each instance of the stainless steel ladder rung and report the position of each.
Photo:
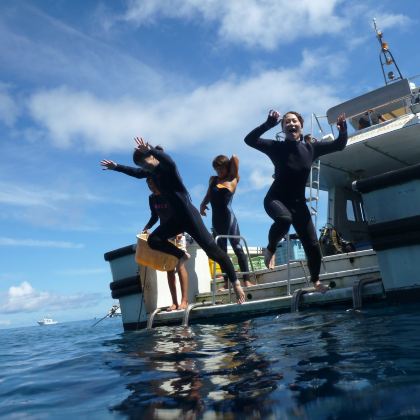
(152, 317)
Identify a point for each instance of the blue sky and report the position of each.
(78, 80)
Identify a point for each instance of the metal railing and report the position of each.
(240, 272)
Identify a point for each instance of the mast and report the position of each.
(386, 58)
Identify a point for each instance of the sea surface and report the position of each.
(333, 364)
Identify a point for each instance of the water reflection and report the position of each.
(191, 370)
(294, 366)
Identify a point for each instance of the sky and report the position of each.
(79, 80)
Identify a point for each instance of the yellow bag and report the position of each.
(152, 258)
(211, 267)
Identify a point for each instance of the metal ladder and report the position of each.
(192, 306)
(152, 317)
(289, 261)
(358, 290)
(314, 177)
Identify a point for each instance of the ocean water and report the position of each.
(312, 365)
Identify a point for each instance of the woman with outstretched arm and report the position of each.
(285, 201)
(186, 218)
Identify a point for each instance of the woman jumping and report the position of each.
(185, 218)
(285, 201)
(220, 194)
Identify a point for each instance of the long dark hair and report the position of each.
(298, 116)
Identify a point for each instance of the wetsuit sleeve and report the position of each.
(153, 217)
(323, 148)
(131, 171)
(162, 157)
(253, 138)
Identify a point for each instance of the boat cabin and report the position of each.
(391, 144)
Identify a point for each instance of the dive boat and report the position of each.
(373, 190)
(47, 321)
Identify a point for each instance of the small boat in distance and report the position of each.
(47, 321)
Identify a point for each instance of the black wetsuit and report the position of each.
(285, 201)
(159, 208)
(225, 223)
(185, 217)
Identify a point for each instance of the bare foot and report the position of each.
(183, 259)
(319, 287)
(247, 283)
(240, 295)
(224, 287)
(183, 305)
(269, 259)
(173, 307)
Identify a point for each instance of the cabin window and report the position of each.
(351, 216)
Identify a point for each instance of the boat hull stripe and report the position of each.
(396, 233)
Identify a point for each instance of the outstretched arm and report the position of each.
(323, 148)
(206, 199)
(253, 138)
(128, 170)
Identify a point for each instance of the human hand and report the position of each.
(341, 122)
(145, 230)
(274, 117)
(109, 164)
(141, 144)
(203, 208)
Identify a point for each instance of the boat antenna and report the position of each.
(386, 58)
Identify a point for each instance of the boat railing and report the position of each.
(291, 260)
(252, 271)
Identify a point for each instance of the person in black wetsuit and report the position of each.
(161, 210)
(220, 195)
(285, 201)
(186, 218)
(370, 118)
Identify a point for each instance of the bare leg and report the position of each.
(240, 295)
(183, 281)
(172, 289)
(183, 260)
(225, 286)
(269, 259)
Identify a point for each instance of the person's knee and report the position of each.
(282, 223)
(214, 252)
(154, 241)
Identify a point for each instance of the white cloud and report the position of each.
(38, 243)
(386, 20)
(254, 23)
(206, 116)
(261, 178)
(49, 206)
(43, 50)
(24, 298)
(29, 196)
